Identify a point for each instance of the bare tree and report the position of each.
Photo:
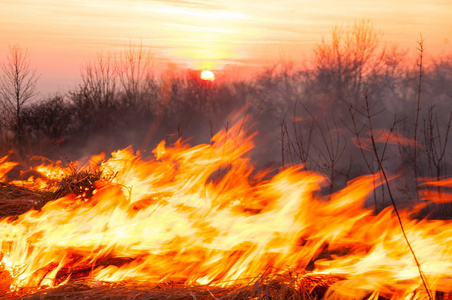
(98, 87)
(17, 84)
(344, 64)
(135, 71)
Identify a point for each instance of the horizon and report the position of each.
(63, 37)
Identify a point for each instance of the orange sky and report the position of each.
(61, 35)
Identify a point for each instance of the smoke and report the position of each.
(322, 115)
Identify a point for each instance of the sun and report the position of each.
(207, 75)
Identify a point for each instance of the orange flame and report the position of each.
(386, 137)
(5, 167)
(438, 195)
(200, 215)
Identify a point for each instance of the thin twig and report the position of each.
(418, 109)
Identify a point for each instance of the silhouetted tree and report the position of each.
(17, 85)
(95, 97)
(51, 118)
(344, 65)
(135, 71)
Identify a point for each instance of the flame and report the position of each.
(5, 166)
(386, 137)
(203, 215)
(438, 195)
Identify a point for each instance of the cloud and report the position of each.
(204, 5)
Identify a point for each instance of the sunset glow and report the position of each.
(61, 36)
(194, 149)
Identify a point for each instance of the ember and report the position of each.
(203, 217)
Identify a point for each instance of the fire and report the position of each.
(203, 215)
(5, 166)
(207, 75)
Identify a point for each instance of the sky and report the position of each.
(63, 35)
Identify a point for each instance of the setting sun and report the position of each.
(207, 75)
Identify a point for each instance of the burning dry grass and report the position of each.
(171, 224)
(276, 287)
(16, 200)
(45, 183)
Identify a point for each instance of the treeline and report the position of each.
(117, 102)
(360, 105)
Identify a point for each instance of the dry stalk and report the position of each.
(380, 165)
(418, 108)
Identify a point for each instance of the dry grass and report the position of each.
(15, 200)
(275, 287)
(78, 183)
